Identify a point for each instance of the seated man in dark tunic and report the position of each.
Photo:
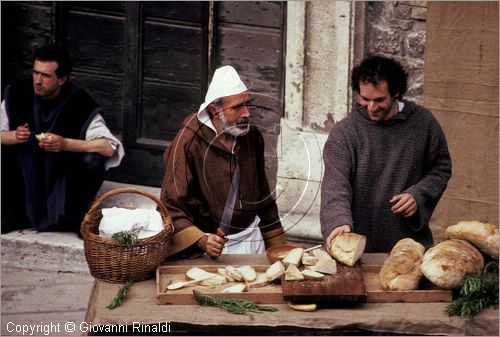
(386, 164)
(55, 148)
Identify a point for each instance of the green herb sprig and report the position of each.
(478, 291)
(128, 238)
(233, 305)
(120, 296)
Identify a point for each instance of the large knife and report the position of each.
(227, 215)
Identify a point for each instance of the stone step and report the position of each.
(56, 251)
(63, 251)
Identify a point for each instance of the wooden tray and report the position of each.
(166, 274)
(426, 293)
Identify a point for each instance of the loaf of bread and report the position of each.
(401, 269)
(348, 247)
(449, 261)
(482, 235)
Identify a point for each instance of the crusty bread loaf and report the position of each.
(401, 269)
(408, 244)
(482, 235)
(348, 248)
(449, 261)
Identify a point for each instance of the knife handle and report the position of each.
(220, 233)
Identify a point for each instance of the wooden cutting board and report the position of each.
(346, 286)
(170, 274)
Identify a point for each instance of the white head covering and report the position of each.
(226, 82)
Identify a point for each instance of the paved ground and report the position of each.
(45, 283)
(41, 299)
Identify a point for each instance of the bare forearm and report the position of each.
(20, 135)
(100, 146)
(9, 138)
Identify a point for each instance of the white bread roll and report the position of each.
(41, 136)
(401, 269)
(275, 270)
(293, 257)
(214, 281)
(260, 281)
(248, 273)
(312, 275)
(348, 247)
(446, 263)
(482, 235)
(292, 273)
(237, 288)
(302, 307)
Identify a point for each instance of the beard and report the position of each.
(238, 128)
(46, 92)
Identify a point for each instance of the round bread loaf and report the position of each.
(482, 235)
(401, 269)
(449, 261)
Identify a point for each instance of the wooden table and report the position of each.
(140, 314)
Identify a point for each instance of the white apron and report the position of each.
(248, 241)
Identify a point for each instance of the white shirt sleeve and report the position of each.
(4, 118)
(98, 129)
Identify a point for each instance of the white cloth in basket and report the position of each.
(118, 219)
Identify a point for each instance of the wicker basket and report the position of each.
(118, 263)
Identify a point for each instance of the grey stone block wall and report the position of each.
(397, 29)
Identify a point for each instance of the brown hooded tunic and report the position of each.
(198, 176)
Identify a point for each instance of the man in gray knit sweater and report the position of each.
(386, 164)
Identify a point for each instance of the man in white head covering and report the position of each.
(215, 186)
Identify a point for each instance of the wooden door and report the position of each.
(146, 62)
(149, 63)
(250, 36)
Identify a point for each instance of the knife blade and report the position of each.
(227, 215)
(225, 221)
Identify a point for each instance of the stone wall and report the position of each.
(316, 95)
(324, 39)
(397, 29)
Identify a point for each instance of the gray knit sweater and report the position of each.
(367, 162)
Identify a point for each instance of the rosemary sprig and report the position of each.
(128, 238)
(120, 296)
(232, 305)
(478, 291)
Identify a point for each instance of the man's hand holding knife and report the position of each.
(212, 244)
